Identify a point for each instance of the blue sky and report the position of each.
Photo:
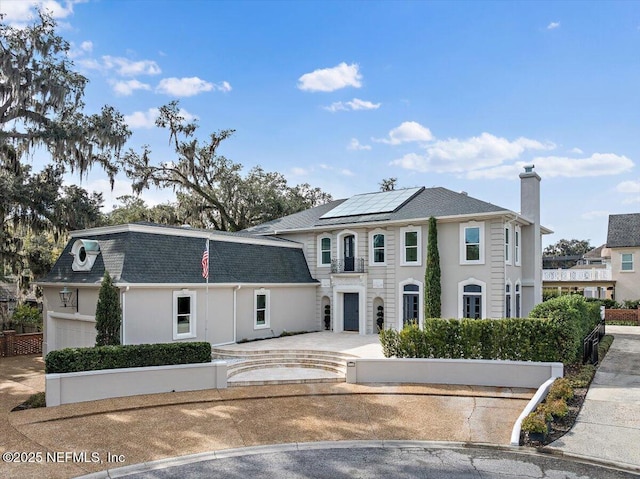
(344, 94)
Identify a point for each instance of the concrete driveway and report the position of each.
(98, 435)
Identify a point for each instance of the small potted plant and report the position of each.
(327, 317)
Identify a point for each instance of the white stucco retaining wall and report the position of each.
(471, 372)
(70, 388)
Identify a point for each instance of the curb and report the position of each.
(382, 444)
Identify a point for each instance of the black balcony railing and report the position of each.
(347, 265)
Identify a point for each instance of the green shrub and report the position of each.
(584, 376)
(560, 389)
(130, 356)
(556, 407)
(535, 422)
(512, 338)
(26, 315)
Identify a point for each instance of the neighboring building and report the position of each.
(369, 253)
(623, 251)
(8, 300)
(257, 287)
(608, 271)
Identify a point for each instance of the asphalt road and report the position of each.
(381, 462)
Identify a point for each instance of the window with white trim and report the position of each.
(516, 249)
(261, 307)
(184, 314)
(472, 243)
(626, 262)
(324, 250)
(411, 239)
(377, 249)
(507, 245)
(507, 300)
(518, 314)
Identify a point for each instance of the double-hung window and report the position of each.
(626, 262)
(377, 249)
(411, 240)
(261, 307)
(324, 251)
(184, 314)
(507, 245)
(472, 243)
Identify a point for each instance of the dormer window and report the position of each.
(84, 254)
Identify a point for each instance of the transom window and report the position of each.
(184, 314)
(261, 309)
(626, 263)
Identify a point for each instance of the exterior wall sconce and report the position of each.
(67, 299)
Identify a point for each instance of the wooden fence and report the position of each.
(12, 344)
(627, 315)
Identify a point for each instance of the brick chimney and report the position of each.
(531, 240)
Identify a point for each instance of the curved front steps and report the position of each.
(247, 368)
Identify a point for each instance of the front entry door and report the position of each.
(351, 311)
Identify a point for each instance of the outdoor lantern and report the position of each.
(65, 296)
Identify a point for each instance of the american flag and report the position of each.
(205, 261)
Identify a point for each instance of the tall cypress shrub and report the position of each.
(108, 313)
(432, 274)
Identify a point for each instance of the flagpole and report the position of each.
(206, 310)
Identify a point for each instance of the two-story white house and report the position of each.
(369, 254)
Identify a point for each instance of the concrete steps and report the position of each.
(273, 366)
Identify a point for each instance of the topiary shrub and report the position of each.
(108, 313)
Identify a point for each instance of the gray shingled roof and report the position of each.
(624, 230)
(438, 202)
(137, 257)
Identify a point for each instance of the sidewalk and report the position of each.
(608, 426)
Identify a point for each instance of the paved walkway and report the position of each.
(608, 426)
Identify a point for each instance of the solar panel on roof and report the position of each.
(371, 203)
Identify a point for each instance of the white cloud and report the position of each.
(126, 88)
(147, 119)
(346, 172)
(354, 144)
(222, 86)
(355, 104)
(408, 131)
(553, 25)
(632, 188)
(598, 164)
(296, 171)
(20, 12)
(593, 215)
(331, 79)
(86, 46)
(576, 150)
(126, 67)
(183, 86)
(484, 151)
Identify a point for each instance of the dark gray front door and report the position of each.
(351, 311)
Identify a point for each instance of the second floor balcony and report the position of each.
(576, 275)
(347, 265)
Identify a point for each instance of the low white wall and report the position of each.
(471, 372)
(69, 388)
(537, 398)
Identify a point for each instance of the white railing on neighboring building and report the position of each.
(576, 274)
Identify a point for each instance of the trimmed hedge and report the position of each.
(72, 360)
(553, 332)
(515, 339)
